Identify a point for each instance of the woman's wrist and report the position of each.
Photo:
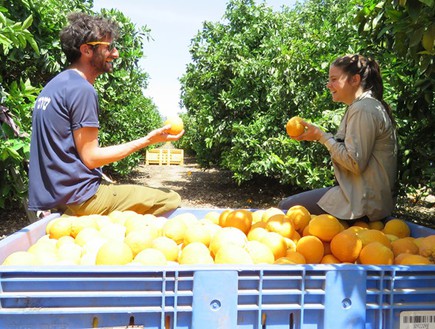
(327, 139)
(324, 137)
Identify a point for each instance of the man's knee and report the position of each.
(175, 199)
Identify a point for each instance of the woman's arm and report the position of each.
(355, 151)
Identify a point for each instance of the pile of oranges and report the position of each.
(232, 236)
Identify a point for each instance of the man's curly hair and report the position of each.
(84, 28)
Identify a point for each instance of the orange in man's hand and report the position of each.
(176, 125)
(294, 127)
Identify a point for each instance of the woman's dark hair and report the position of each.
(84, 28)
(370, 73)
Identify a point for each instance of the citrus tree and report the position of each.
(14, 36)
(403, 33)
(251, 73)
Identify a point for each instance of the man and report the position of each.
(65, 157)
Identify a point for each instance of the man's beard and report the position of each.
(101, 65)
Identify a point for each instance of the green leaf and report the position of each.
(33, 44)
(5, 41)
(416, 36)
(429, 3)
(27, 23)
(2, 19)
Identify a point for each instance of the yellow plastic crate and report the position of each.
(165, 157)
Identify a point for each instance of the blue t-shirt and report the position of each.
(57, 176)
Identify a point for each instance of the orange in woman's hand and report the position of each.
(294, 127)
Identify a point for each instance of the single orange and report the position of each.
(223, 217)
(114, 253)
(311, 247)
(259, 252)
(375, 253)
(404, 245)
(150, 256)
(213, 216)
(397, 227)
(240, 218)
(174, 229)
(276, 243)
(233, 254)
(195, 253)
(19, 258)
(280, 224)
(410, 259)
(329, 259)
(60, 227)
(294, 257)
(427, 247)
(325, 227)
(197, 233)
(269, 212)
(294, 126)
(257, 215)
(367, 236)
(227, 236)
(291, 245)
(176, 123)
(256, 233)
(258, 224)
(376, 225)
(300, 217)
(346, 246)
(140, 240)
(167, 246)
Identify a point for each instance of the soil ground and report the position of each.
(207, 188)
(213, 188)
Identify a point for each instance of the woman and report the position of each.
(364, 150)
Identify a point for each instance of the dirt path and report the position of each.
(206, 188)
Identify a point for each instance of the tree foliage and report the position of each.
(253, 72)
(402, 33)
(257, 68)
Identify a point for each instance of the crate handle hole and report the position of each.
(215, 305)
(347, 303)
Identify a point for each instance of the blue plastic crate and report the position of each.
(208, 297)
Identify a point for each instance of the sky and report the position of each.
(173, 24)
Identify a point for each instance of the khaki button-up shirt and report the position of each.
(364, 156)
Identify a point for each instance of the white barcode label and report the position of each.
(417, 320)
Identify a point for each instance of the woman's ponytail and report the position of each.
(370, 74)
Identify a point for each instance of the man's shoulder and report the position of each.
(70, 80)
